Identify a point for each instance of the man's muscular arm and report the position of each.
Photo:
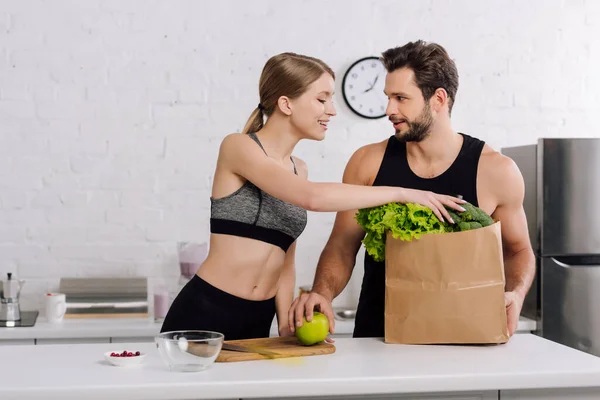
(519, 259)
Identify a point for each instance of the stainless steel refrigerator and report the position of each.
(562, 205)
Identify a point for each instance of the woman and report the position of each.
(259, 200)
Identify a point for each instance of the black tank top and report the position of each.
(459, 179)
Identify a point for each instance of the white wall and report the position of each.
(111, 111)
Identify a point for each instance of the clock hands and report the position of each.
(373, 85)
(375, 81)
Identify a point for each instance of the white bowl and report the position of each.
(124, 361)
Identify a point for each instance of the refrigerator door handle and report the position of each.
(562, 264)
(577, 261)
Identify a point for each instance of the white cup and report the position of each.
(56, 306)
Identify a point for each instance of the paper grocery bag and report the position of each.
(446, 288)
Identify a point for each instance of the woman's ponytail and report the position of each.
(255, 122)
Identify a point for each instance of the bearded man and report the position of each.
(425, 153)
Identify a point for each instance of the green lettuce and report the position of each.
(411, 221)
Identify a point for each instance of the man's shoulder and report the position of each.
(364, 163)
(371, 150)
(499, 170)
(495, 162)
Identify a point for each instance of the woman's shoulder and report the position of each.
(233, 143)
(233, 138)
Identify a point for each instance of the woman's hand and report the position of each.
(434, 201)
(284, 330)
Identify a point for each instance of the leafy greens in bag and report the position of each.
(410, 221)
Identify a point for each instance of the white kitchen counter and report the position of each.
(137, 328)
(365, 367)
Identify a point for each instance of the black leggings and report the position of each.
(201, 306)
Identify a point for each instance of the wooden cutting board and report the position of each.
(287, 346)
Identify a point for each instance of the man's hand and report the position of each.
(513, 302)
(305, 306)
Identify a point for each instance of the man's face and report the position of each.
(407, 110)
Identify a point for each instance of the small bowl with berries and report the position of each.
(124, 358)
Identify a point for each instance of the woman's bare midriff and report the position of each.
(246, 268)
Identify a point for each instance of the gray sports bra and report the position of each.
(252, 213)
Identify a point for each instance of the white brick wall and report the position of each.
(111, 111)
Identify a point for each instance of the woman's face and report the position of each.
(312, 111)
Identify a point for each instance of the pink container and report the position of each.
(161, 305)
(188, 270)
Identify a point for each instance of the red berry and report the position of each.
(137, 353)
(117, 355)
(129, 354)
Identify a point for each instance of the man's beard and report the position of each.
(419, 128)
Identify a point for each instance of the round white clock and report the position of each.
(363, 86)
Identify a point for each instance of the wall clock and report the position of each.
(362, 88)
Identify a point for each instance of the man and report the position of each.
(425, 153)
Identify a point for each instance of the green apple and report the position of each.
(314, 331)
